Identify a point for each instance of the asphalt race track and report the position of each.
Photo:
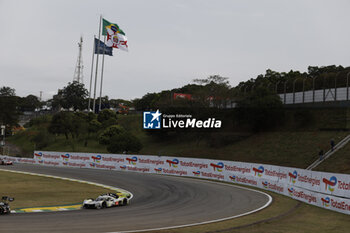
(159, 201)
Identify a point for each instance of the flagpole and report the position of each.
(91, 74)
(99, 36)
(103, 65)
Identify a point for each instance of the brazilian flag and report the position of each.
(112, 26)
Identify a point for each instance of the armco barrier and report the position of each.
(326, 190)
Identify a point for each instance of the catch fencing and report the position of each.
(326, 190)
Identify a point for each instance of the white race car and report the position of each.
(107, 200)
(5, 162)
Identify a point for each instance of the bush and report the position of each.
(61, 123)
(105, 115)
(94, 126)
(45, 119)
(41, 139)
(261, 110)
(124, 142)
(111, 131)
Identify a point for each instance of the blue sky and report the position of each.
(171, 42)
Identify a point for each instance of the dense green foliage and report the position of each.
(124, 142)
(84, 127)
(13, 106)
(106, 136)
(262, 109)
(72, 96)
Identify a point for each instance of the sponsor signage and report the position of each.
(326, 190)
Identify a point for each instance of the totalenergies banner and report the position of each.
(18, 159)
(326, 190)
(321, 182)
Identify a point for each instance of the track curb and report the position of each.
(60, 207)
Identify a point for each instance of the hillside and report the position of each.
(339, 162)
(286, 148)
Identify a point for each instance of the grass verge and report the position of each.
(303, 219)
(34, 191)
(338, 162)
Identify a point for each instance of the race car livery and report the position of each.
(107, 200)
(4, 205)
(4, 162)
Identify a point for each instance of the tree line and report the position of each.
(74, 126)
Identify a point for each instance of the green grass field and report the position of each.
(34, 191)
(338, 163)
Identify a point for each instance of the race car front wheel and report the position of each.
(125, 202)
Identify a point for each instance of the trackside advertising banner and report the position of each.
(326, 190)
(265, 175)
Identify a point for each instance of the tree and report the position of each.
(124, 142)
(105, 104)
(9, 113)
(115, 103)
(147, 102)
(7, 91)
(72, 96)
(80, 124)
(94, 126)
(30, 103)
(213, 79)
(105, 137)
(261, 109)
(61, 123)
(107, 117)
(215, 91)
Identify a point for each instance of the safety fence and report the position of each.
(326, 190)
(323, 95)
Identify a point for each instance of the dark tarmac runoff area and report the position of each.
(159, 201)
